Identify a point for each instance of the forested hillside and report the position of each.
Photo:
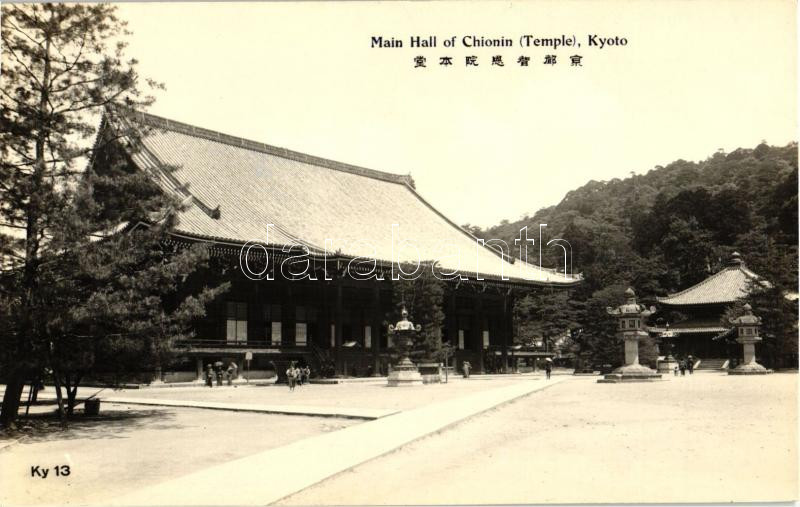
(665, 230)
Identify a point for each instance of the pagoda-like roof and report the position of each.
(730, 284)
(234, 187)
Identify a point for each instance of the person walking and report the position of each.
(210, 376)
(690, 365)
(291, 376)
(466, 367)
(231, 372)
(548, 368)
(306, 374)
(682, 366)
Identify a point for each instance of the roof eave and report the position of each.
(484, 277)
(670, 303)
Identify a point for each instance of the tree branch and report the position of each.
(15, 27)
(28, 70)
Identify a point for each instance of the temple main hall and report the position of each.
(237, 191)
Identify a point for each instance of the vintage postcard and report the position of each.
(398, 253)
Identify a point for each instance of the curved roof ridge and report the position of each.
(239, 187)
(729, 268)
(160, 122)
(748, 272)
(698, 284)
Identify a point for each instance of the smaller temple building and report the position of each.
(698, 330)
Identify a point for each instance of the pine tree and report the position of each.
(545, 314)
(85, 288)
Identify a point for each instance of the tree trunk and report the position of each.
(31, 390)
(36, 389)
(59, 398)
(30, 275)
(72, 393)
(11, 399)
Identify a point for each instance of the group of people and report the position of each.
(684, 365)
(297, 376)
(230, 373)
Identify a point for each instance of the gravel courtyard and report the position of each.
(703, 438)
(133, 446)
(356, 394)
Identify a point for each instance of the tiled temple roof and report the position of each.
(236, 187)
(726, 286)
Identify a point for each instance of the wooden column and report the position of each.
(451, 322)
(337, 316)
(325, 332)
(504, 331)
(376, 322)
(510, 327)
(255, 315)
(452, 326)
(319, 306)
(478, 319)
(288, 318)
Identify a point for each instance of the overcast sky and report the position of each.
(483, 143)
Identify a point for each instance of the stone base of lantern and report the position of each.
(748, 369)
(749, 366)
(630, 373)
(667, 365)
(405, 374)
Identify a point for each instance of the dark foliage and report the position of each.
(668, 229)
(88, 281)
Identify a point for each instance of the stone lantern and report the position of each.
(747, 327)
(405, 373)
(630, 327)
(669, 363)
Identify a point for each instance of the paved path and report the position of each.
(350, 413)
(369, 395)
(130, 447)
(334, 411)
(263, 479)
(700, 438)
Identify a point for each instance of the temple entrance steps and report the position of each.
(712, 364)
(325, 365)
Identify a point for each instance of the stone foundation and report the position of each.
(749, 369)
(404, 378)
(630, 373)
(404, 374)
(615, 378)
(667, 366)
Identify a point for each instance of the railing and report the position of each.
(249, 344)
(325, 365)
(316, 351)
